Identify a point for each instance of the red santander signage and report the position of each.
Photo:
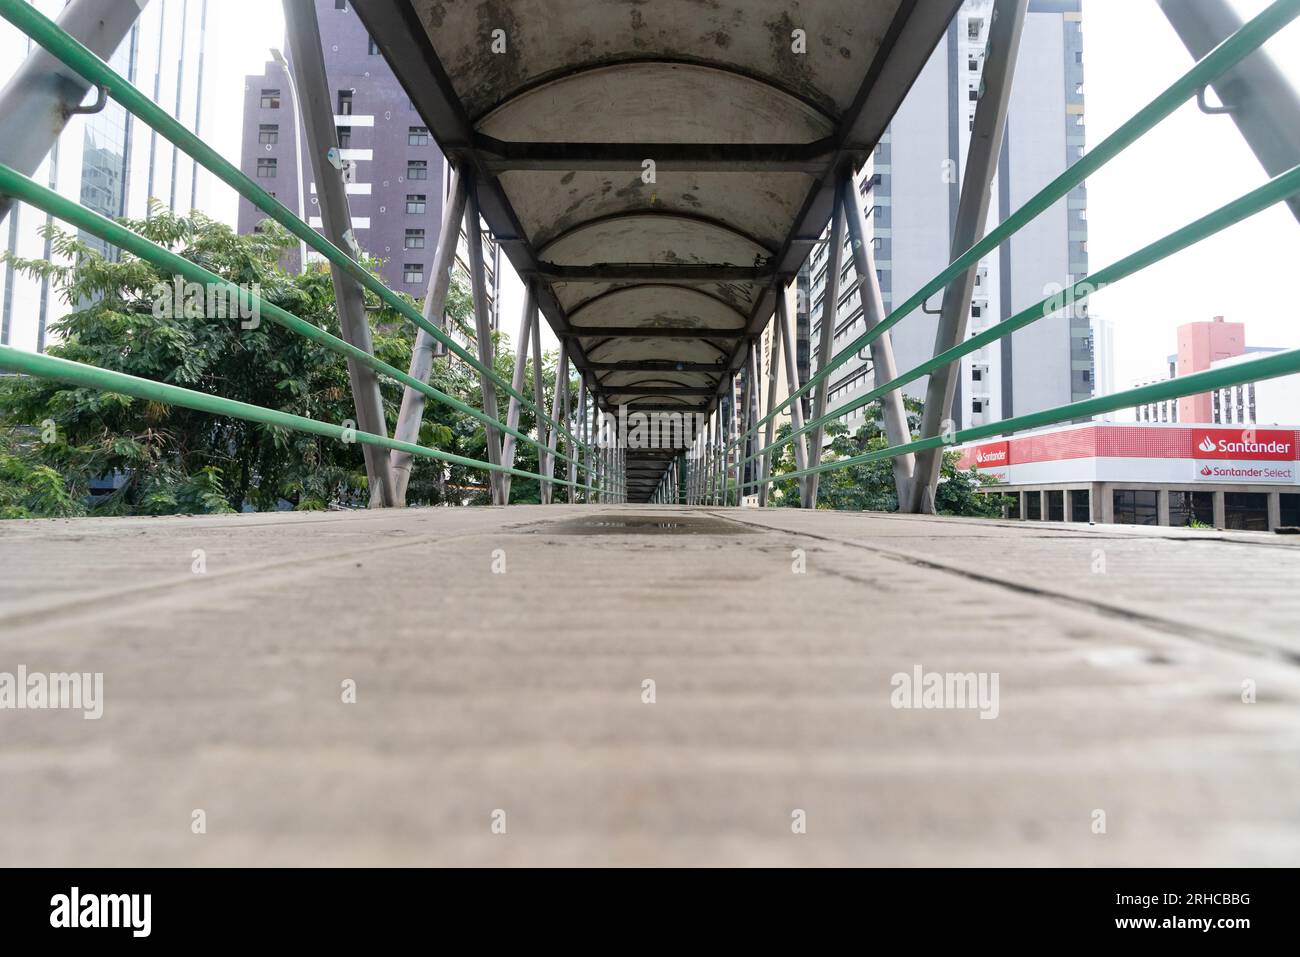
(1248, 445)
(991, 455)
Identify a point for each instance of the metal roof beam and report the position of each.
(652, 272)
(652, 332)
(499, 155)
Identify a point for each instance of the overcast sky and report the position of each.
(1189, 165)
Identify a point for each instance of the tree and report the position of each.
(57, 441)
(869, 486)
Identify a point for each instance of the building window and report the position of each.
(415, 239)
(973, 94)
(1056, 506)
(977, 406)
(973, 65)
(417, 169)
(345, 137)
(1033, 506)
(1080, 505)
(340, 4)
(265, 168)
(413, 272)
(345, 102)
(976, 375)
(1188, 507)
(268, 133)
(1290, 506)
(1136, 507)
(373, 47)
(1245, 510)
(418, 136)
(270, 99)
(415, 204)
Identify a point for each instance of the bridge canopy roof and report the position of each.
(653, 166)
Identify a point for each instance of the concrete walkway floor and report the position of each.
(500, 659)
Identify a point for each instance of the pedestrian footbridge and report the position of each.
(647, 672)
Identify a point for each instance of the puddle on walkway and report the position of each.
(641, 525)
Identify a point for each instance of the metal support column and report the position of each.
(1256, 94)
(483, 335)
(746, 423)
(517, 383)
(972, 215)
(561, 378)
(792, 380)
(773, 367)
(893, 412)
(43, 93)
(427, 348)
(584, 452)
(321, 139)
(755, 408)
(568, 442)
(830, 316)
(539, 403)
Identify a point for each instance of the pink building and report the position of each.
(1199, 344)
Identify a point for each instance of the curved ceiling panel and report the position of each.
(658, 305)
(653, 238)
(629, 349)
(550, 203)
(546, 37)
(655, 102)
(574, 295)
(615, 381)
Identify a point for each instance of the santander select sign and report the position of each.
(1255, 445)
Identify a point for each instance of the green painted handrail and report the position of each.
(91, 377)
(1280, 188)
(13, 183)
(74, 55)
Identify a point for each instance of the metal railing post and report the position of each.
(483, 334)
(1257, 95)
(42, 93)
(517, 383)
(830, 316)
(972, 214)
(773, 367)
(427, 348)
(321, 140)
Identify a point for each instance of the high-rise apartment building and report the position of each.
(111, 162)
(1203, 346)
(399, 176)
(910, 192)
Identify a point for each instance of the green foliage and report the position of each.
(869, 486)
(58, 441)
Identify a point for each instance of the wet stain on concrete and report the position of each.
(677, 524)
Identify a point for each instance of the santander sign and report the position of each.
(1269, 445)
